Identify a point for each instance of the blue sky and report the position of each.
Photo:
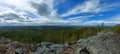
(59, 12)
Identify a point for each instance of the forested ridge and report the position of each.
(53, 34)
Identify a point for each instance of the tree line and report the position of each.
(56, 35)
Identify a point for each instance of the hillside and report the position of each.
(105, 42)
(56, 34)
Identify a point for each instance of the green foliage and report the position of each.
(116, 29)
(56, 35)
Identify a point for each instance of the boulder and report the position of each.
(42, 50)
(43, 44)
(58, 48)
(19, 51)
(105, 42)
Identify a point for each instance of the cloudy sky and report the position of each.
(59, 12)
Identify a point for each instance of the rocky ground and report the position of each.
(105, 42)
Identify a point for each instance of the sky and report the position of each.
(59, 12)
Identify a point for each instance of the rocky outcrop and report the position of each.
(105, 42)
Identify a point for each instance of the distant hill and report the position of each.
(20, 27)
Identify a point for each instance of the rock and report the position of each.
(82, 51)
(4, 40)
(43, 44)
(19, 51)
(42, 50)
(105, 42)
(58, 48)
(67, 45)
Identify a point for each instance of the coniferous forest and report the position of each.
(60, 34)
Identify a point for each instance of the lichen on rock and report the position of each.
(105, 42)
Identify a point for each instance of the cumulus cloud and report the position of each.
(43, 12)
(19, 12)
(45, 8)
(42, 9)
(11, 16)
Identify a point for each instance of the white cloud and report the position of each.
(16, 12)
(81, 17)
(115, 18)
(90, 6)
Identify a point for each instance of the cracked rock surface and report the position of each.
(105, 42)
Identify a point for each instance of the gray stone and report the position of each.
(43, 44)
(104, 42)
(42, 50)
(19, 50)
(57, 48)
